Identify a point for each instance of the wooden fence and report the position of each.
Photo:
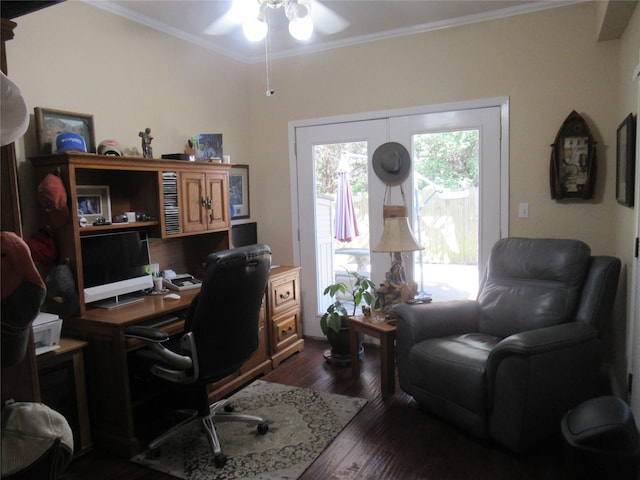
(448, 226)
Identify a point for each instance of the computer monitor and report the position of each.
(244, 234)
(115, 267)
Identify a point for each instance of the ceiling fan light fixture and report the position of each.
(301, 28)
(255, 29)
(297, 9)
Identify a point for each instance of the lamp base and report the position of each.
(392, 293)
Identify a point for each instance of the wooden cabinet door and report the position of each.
(192, 186)
(218, 194)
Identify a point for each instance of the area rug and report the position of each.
(302, 423)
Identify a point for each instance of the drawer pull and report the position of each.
(285, 296)
(287, 332)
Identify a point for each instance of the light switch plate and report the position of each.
(523, 210)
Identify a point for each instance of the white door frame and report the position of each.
(502, 102)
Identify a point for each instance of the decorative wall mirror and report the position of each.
(573, 160)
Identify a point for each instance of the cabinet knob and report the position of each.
(284, 296)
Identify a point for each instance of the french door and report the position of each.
(334, 145)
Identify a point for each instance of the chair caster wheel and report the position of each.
(153, 454)
(229, 408)
(220, 460)
(263, 428)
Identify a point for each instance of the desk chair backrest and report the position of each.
(224, 316)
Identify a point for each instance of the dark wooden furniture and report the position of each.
(385, 331)
(63, 388)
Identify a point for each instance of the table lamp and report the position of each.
(396, 239)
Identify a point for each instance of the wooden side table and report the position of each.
(62, 377)
(385, 331)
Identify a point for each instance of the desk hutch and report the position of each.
(187, 206)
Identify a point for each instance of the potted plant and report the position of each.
(334, 322)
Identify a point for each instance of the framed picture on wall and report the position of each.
(625, 161)
(239, 191)
(50, 123)
(573, 169)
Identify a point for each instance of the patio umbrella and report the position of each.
(345, 224)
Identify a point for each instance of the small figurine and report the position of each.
(147, 151)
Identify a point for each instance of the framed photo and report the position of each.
(207, 146)
(573, 160)
(94, 202)
(625, 161)
(239, 191)
(50, 123)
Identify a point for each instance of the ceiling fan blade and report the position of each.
(222, 25)
(325, 20)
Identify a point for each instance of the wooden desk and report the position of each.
(113, 398)
(108, 380)
(78, 414)
(386, 332)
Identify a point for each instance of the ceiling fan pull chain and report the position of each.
(267, 47)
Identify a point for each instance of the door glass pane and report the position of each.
(446, 212)
(342, 213)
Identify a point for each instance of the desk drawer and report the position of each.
(286, 329)
(284, 294)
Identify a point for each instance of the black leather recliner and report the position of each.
(221, 332)
(509, 364)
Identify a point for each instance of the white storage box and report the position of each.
(46, 332)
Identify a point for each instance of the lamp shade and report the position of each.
(397, 236)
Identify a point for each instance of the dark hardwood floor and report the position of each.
(389, 439)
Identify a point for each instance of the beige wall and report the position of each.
(78, 58)
(547, 63)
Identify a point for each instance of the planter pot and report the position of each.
(341, 346)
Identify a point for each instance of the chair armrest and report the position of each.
(534, 377)
(421, 321)
(545, 339)
(153, 337)
(146, 334)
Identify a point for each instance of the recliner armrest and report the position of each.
(438, 319)
(544, 339)
(539, 342)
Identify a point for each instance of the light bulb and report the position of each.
(255, 30)
(301, 28)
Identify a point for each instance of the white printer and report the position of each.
(46, 332)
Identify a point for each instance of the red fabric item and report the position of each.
(43, 249)
(17, 264)
(53, 198)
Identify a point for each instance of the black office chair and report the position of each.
(220, 334)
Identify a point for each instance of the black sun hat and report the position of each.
(392, 163)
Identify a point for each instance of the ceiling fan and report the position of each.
(304, 17)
